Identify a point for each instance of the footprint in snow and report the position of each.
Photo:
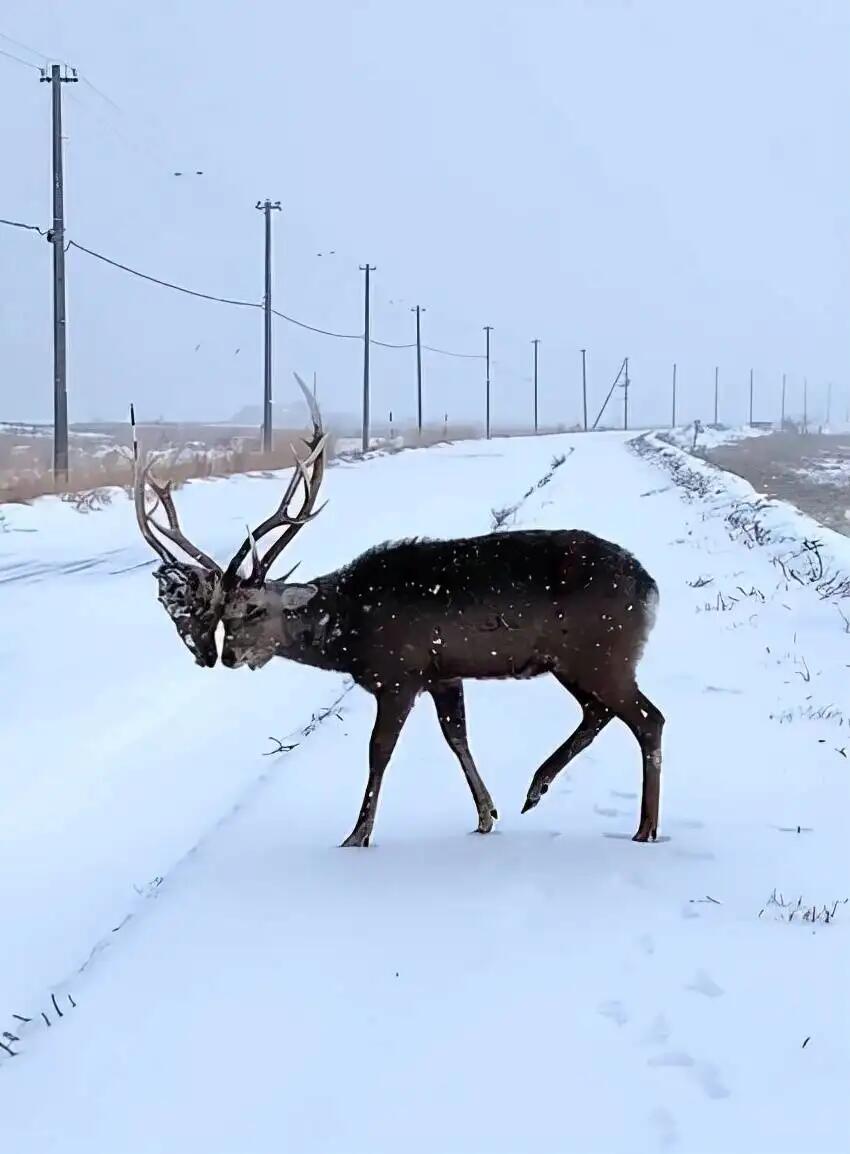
(657, 1033)
(664, 1125)
(647, 944)
(694, 854)
(704, 984)
(623, 796)
(705, 1074)
(616, 1011)
(708, 1077)
(676, 1058)
(607, 811)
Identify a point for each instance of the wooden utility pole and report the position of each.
(418, 310)
(367, 339)
(716, 390)
(488, 329)
(536, 343)
(626, 396)
(56, 237)
(673, 423)
(265, 207)
(584, 386)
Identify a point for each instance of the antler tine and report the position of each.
(173, 532)
(315, 460)
(142, 516)
(147, 524)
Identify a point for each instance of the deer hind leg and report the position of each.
(393, 709)
(448, 698)
(646, 722)
(595, 716)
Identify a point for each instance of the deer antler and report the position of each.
(307, 472)
(147, 524)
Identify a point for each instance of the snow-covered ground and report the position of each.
(709, 436)
(230, 981)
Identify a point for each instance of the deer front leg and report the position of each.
(595, 716)
(448, 698)
(393, 708)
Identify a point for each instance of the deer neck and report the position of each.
(304, 634)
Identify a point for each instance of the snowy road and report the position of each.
(551, 987)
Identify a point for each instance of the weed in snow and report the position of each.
(789, 911)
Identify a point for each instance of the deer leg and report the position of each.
(595, 717)
(448, 698)
(646, 722)
(393, 709)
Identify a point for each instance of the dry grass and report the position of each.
(25, 467)
(100, 455)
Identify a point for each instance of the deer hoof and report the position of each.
(356, 841)
(530, 803)
(485, 821)
(645, 833)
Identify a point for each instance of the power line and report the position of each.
(164, 283)
(20, 224)
(229, 300)
(390, 345)
(19, 60)
(324, 332)
(20, 44)
(449, 353)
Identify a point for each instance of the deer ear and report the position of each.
(296, 597)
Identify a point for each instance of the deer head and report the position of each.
(188, 592)
(258, 619)
(198, 594)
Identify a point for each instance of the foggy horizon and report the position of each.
(646, 179)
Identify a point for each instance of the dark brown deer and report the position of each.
(421, 616)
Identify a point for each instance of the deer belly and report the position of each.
(484, 651)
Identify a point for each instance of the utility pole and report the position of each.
(751, 396)
(626, 396)
(584, 386)
(535, 342)
(782, 411)
(673, 425)
(56, 237)
(367, 339)
(716, 390)
(418, 310)
(265, 207)
(488, 329)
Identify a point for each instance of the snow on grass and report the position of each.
(549, 987)
(710, 436)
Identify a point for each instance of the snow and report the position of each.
(711, 436)
(248, 986)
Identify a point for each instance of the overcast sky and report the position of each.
(657, 179)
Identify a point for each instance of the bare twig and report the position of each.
(281, 748)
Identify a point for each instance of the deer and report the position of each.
(421, 616)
